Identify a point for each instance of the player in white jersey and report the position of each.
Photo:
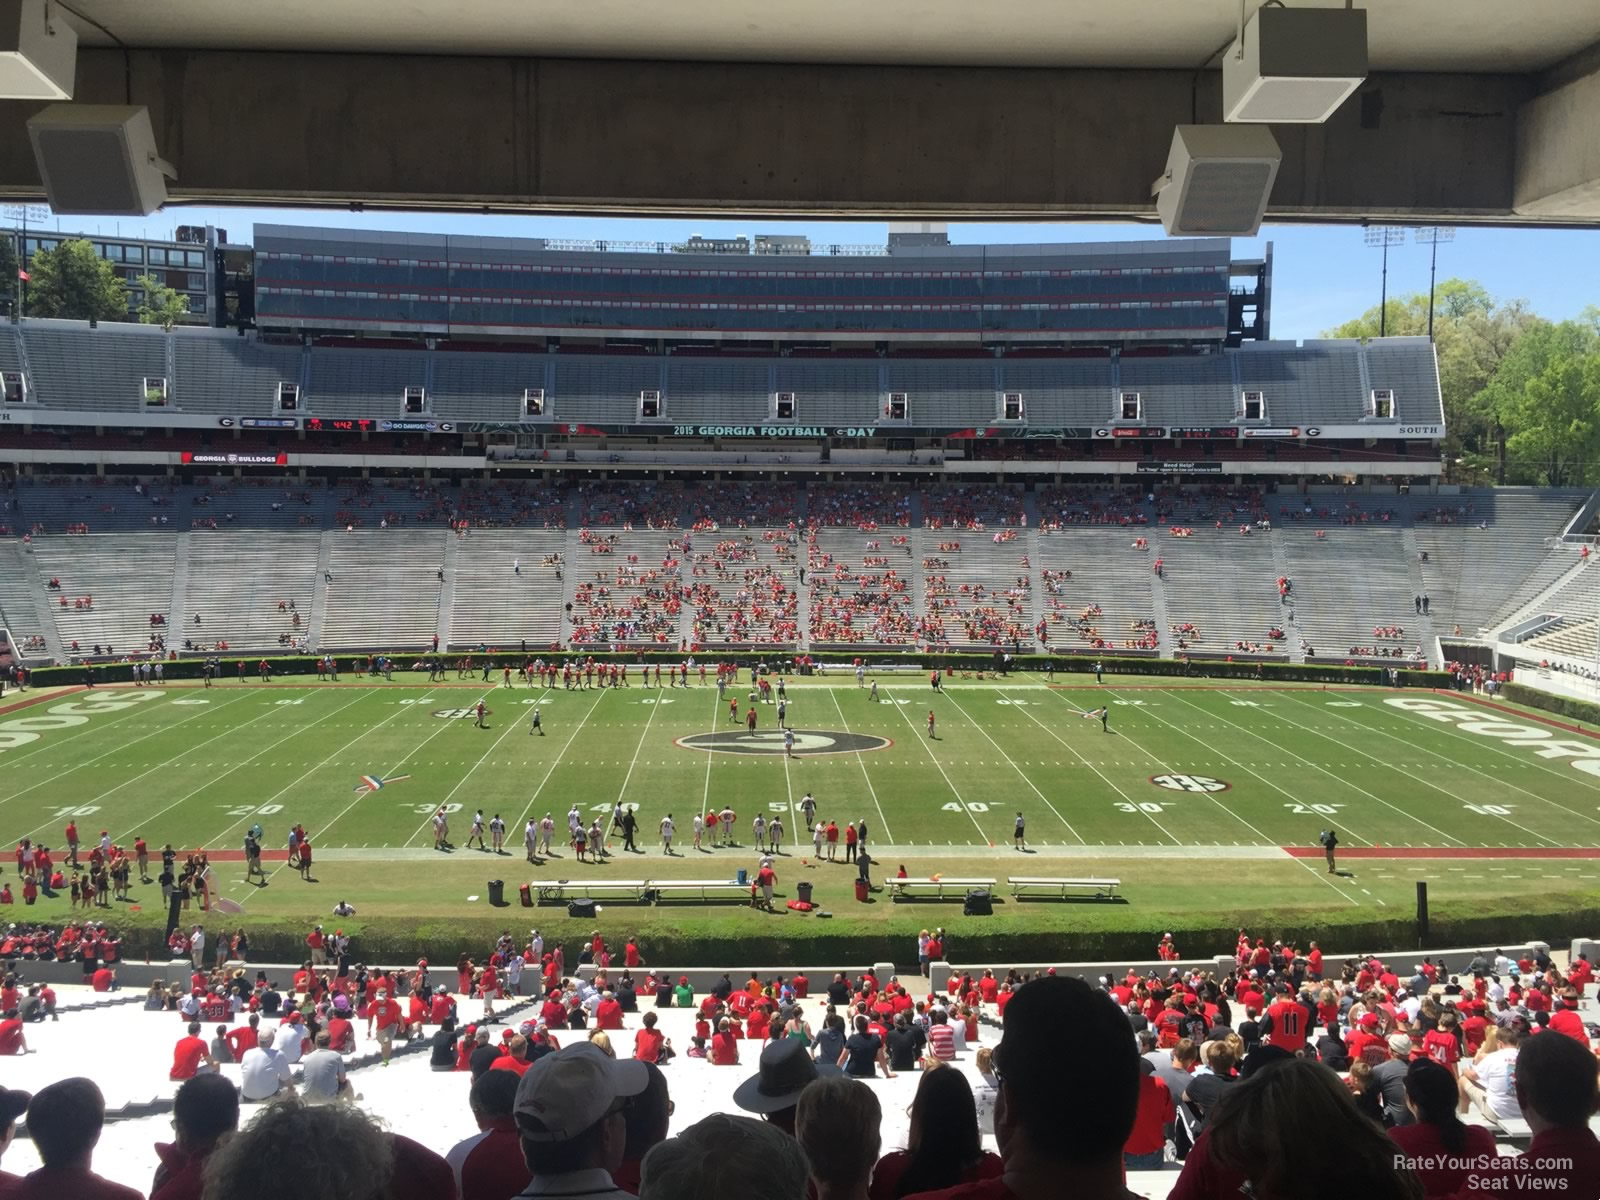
(574, 821)
(667, 830)
(530, 839)
(873, 694)
(775, 833)
(497, 833)
(727, 825)
(759, 828)
(476, 831)
(808, 807)
(816, 839)
(441, 829)
(861, 675)
(547, 833)
(699, 829)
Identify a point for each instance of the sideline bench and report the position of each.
(553, 891)
(661, 888)
(1103, 889)
(899, 888)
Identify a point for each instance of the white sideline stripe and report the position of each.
(52, 778)
(883, 821)
(1319, 767)
(933, 758)
(1394, 767)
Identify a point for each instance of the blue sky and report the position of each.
(1322, 274)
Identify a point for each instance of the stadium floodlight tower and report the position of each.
(1384, 236)
(1432, 235)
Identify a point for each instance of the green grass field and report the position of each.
(1190, 798)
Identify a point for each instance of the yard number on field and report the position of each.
(246, 810)
(977, 806)
(1490, 810)
(1146, 806)
(1321, 810)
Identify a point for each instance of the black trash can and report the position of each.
(802, 891)
(497, 892)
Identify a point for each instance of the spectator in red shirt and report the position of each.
(1035, 1065)
(385, 1014)
(513, 1057)
(630, 955)
(724, 1046)
(1437, 1142)
(64, 1121)
(648, 1041)
(11, 1039)
(489, 1164)
(944, 1147)
(205, 1110)
(1146, 1146)
(189, 1053)
(608, 1013)
(1286, 1023)
(1565, 1019)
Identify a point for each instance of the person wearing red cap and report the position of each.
(1564, 1017)
(1366, 1033)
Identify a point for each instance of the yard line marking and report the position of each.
(1484, 743)
(1247, 824)
(705, 792)
(927, 749)
(1244, 767)
(1129, 799)
(54, 776)
(443, 725)
(1407, 774)
(862, 762)
(1019, 770)
(511, 723)
(654, 709)
(1319, 767)
(522, 823)
(150, 771)
(292, 733)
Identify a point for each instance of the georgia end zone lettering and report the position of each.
(1581, 756)
(22, 730)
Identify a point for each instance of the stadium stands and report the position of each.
(241, 586)
(1347, 583)
(506, 590)
(110, 588)
(384, 593)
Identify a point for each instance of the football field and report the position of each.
(1226, 786)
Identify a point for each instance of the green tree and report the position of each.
(161, 305)
(74, 282)
(1546, 394)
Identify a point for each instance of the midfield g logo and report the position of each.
(806, 741)
(1189, 783)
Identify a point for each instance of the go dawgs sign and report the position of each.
(1583, 756)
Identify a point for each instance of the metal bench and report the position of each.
(659, 889)
(1104, 889)
(551, 891)
(899, 888)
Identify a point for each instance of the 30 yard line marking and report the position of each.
(927, 749)
(1175, 840)
(1319, 767)
(862, 763)
(58, 775)
(1425, 783)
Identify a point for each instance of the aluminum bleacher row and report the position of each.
(70, 366)
(1060, 569)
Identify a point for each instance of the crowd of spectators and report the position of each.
(973, 506)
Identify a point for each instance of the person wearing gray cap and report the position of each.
(12, 1105)
(774, 1090)
(569, 1115)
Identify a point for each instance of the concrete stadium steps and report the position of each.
(636, 592)
(491, 603)
(718, 563)
(1003, 613)
(24, 607)
(836, 578)
(1577, 602)
(1106, 571)
(1473, 574)
(385, 590)
(1578, 638)
(1224, 584)
(127, 578)
(1352, 579)
(236, 581)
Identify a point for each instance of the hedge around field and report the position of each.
(1035, 932)
(968, 663)
(1564, 706)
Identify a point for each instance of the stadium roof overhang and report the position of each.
(1056, 109)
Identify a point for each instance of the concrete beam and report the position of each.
(1558, 151)
(665, 137)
